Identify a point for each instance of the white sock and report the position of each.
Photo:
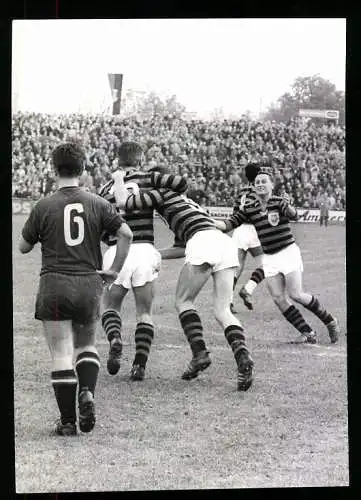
(250, 286)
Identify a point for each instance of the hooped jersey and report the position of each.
(183, 216)
(141, 222)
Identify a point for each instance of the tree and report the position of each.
(308, 92)
(217, 114)
(148, 104)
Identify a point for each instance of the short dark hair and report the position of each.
(68, 159)
(252, 170)
(130, 154)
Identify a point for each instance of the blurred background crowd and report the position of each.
(308, 159)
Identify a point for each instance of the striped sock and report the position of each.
(315, 307)
(296, 319)
(64, 383)
(112, 324)
(236, 339)
(255, 279)
(87, 368)
(144, 335)
(193, 330)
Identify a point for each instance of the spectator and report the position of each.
(307, 158)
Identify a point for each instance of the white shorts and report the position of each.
(245, 237)
(212, 247)
(285, 261)
(141, 266)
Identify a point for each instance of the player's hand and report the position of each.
(108, 275)
(118, 175)
(286, 197)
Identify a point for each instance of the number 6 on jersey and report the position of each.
(68, 209)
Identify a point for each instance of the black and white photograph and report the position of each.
(179, 254)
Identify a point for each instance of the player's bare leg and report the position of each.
(233, 330)
(59, 337)
(294, 287)
(144, 332)
(242, 254)
(256, 278)
(87, 366)
(113, 297)
(277, 288)
(190, 282)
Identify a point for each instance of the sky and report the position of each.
(61, 66)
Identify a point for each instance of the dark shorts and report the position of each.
(69, 297)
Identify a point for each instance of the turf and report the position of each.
(288, 430)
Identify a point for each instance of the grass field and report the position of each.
(288, 430)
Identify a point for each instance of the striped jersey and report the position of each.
(272, 225)
(246, 195)
(141, 222)
(183, 216)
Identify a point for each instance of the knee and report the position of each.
(183, 305)
(144, 317)
(279, 299)
(222, 314)
(295, 295)
(112, 297)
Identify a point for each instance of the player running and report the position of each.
(282, 261)
(246, 239)
(69, 224)
(141, 267)
(208, 253)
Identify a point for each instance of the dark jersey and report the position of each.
(272, 225)
(183, 215)
(141, 222)
(246, 195)
(69, 225)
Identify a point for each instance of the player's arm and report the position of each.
(144, 199)
(172, 253)
(119, 190)
(124, 237)
(24, 246)
(115, 225)
(169, 181)
(288, 210)
(232, 222)
(177, 251)
(30, 232)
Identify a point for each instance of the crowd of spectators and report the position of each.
(308, 158)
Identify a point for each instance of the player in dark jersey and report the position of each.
(69, 225)
(282, 261)
(142, 265)
(246, 239)
(208, 253)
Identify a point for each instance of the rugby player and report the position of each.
(246, 239)
(208, 252)
(142, 265)
(69, 225)
(282, 261)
